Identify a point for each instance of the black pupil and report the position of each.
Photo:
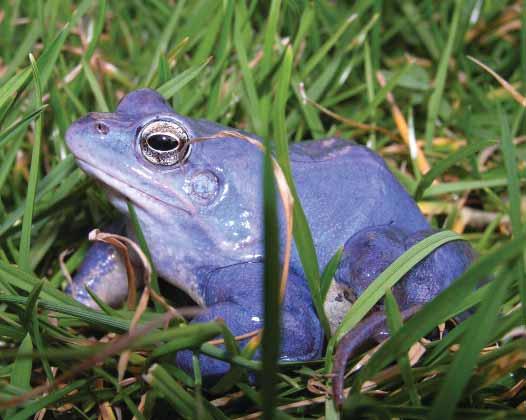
(163, 142)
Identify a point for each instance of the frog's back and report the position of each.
(345, 187)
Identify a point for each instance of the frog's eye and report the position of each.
(164, 143)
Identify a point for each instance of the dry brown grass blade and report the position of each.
(415, 354)
(117, 346)
(237, 337)
(460, 222)
(504, 365)
(227, 399)
(122, 243)
(403, 128)
(504, 83)
(347, 121)
(482, 27)
(510, 393)
(141, 405)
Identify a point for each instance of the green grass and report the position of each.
(286, 71)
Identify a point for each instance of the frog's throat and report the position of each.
(125, 189)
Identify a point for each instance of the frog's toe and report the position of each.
(211, 369)
(302, 336)
(239, 320)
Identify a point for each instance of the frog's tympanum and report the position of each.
(199, 205)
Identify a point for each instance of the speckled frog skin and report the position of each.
(200, 207)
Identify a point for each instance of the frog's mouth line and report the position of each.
(123, 188)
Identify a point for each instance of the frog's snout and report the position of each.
(84, 127)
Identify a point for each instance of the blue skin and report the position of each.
(202, 219)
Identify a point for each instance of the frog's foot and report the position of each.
(374, 326)
(235, 294)
(103, 270)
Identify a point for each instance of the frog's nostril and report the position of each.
(102, 128)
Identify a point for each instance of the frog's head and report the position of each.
(193, 197)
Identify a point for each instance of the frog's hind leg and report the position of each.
(374, 326)
(235, 294)
(366, 255)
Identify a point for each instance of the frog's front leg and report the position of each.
(104, 272)
(235, 294)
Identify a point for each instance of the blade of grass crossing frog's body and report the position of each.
(302, 234)
(328, 273)
(389, 278)
(270, 342)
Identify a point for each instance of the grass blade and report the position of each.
(329, 271)
(20, 124)
(270, 342)
(442, 166)
(444, 306)
(170, 88)
(302, 234)
(21, 371)
(514, 194)
(25, 239)
(440, 79)
(394, 322)
(390, 276)
(95, 88)
(465, 361)
(99, 25)
(271, 33)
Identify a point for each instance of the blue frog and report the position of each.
(199, 204)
